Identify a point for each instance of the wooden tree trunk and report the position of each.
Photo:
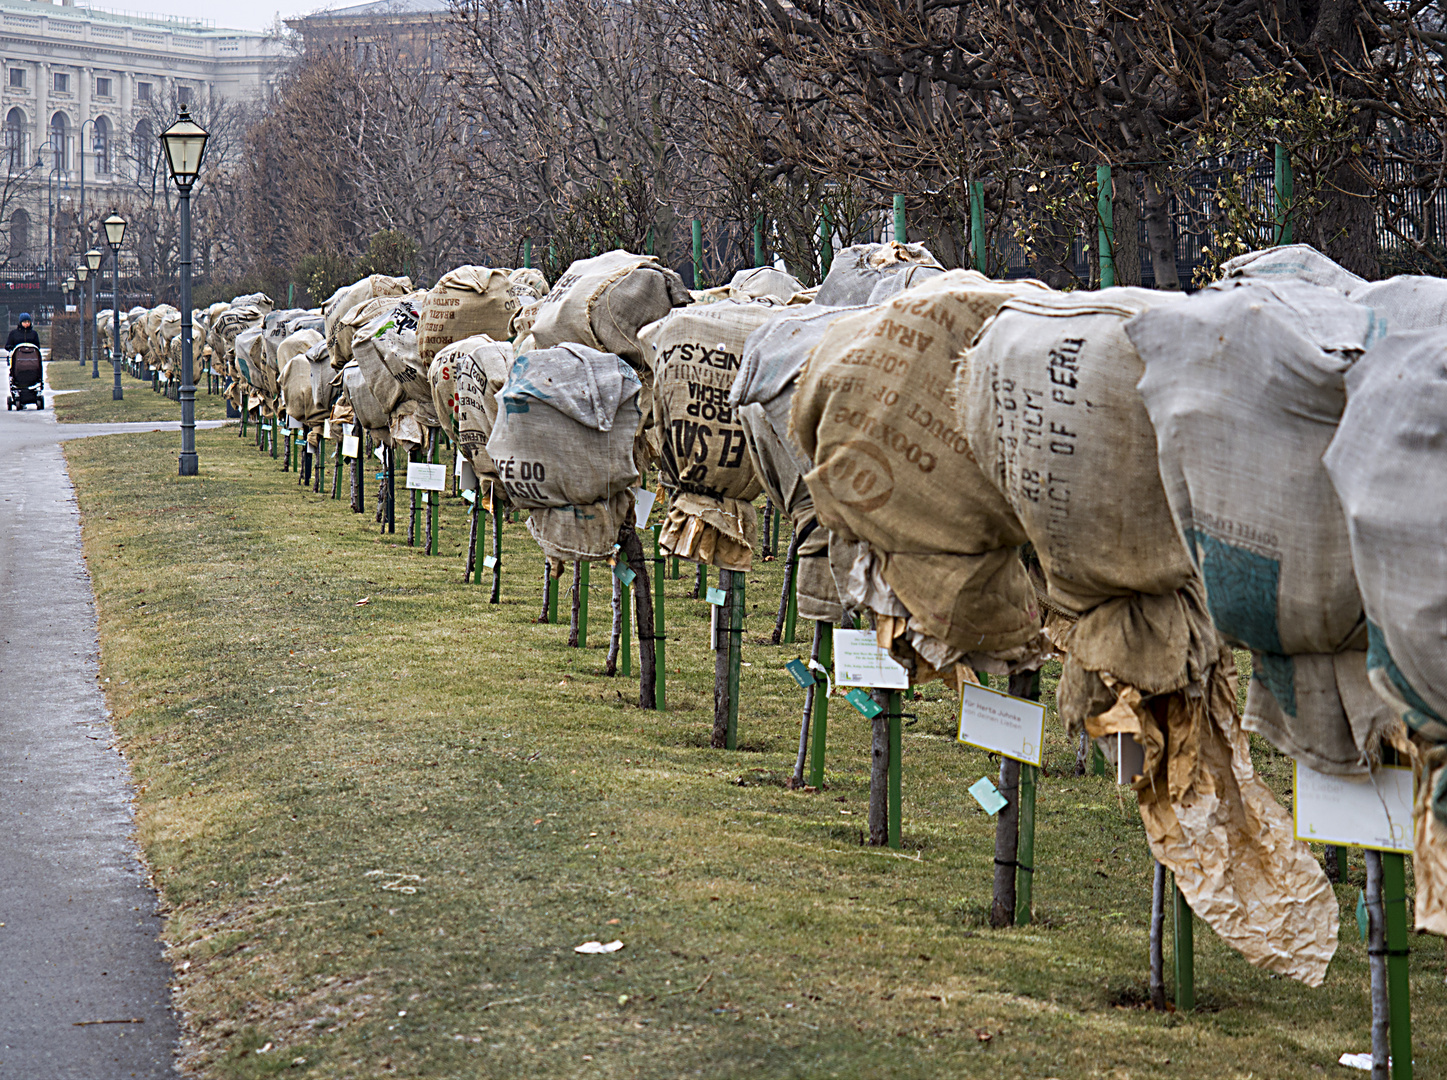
(791, 570)
(1007, 840)
(469, 561)
(1125, 217)
(358, 492)
(700, 583)
(765, 547)
(547, 587)
(615, 639)
(797, 780)
(1158, 928)
(1082, 753)
(1160, 235)
(879, 772)
(577, 602)
(632, 549)
(1377, 963)
(1332, 864)
(721, 659)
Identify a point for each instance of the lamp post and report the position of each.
(93, 258)
(81, 273)
(185, 145)
(115, 227)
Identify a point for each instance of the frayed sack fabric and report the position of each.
(763, 392)
(1429, 841)
(1258, 513)
(694, 355)
(1388, 464)
(1291, 262)
(874, 410)
(342, 303)
(1217, 827)
(466, 301)
(857, 273)
(603, 302)
(562, 444)
(409, 423)
(466, 378)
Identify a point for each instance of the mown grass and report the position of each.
(80, 399)
(380, 830)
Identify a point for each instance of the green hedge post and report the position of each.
(527, 253)
(899, 219)
(245, 407)
(1285, 194)
(759, 240)
(824, 650)
(1105, 212)
(977, 225)
(660, 665)
(826, 242)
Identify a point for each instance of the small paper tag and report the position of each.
(425, 477)
(717, 597)
(326, 429)
(802, 675)
(489, 561)
(643, 500)
(988, 796)
(351, 446)
(624, 574)
(864, 703)
(465, 476)
(1363, 924)
(380, 454)
(468, 495)
(381, 476)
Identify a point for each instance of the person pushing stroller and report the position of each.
(23, 334)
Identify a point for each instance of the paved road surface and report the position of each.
(78, 923)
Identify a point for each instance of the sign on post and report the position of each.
(351, 446)
(425, 477)
(1002, 724)
(859, 661)
(1367, 812)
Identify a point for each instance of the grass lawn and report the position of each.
(379, 830)
(80, 399)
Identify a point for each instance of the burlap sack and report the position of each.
(1387, 463)
(368, 410)
(258, 300)
(1258, 514)
(762, 281)
(856, 273)
(339, 329)
(466, 301)
(247, 350)
(1429, 840)
(1293, 262)
(603, 302)
(694, 355)
(763, 392)
(874, 411)
(296, 392)
(409, 422)
(326, 383)
(562, 445)
(1407, 302)
(527, 284)
(386, 351)
(466, 377)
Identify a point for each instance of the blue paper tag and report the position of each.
(1362, 921)
(381, 476)
(624, 574)
(864, 703)
(988, 796)
(489, 561)
(468, 495)
(716, 597)
(802, 675)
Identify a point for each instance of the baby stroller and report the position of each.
(27, 379)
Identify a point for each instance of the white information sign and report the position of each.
(643, 500)
(1002, 724)
(1373, 812)
(351, 446)
(293, 423)
(426, 477)
(859, 661)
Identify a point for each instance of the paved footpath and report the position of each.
(79, 932)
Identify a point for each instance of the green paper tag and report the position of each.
(1362, 921)
(468, 495)
(489, 561)
(802, 675)
(717, 597)
(864, 703)
(624, 574)
(988, 796)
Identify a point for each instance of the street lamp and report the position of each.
(93, 258)
(81, 273)
(115, 226)
(185, 146)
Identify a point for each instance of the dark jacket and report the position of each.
(22, 335)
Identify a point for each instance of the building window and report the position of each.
(19, 236)
(102, 146)
(17, 78)
(143, 91)
(103, 88)
(183, 95)
(60, 141)
(15, 140)
(62, 82)
(144, 149)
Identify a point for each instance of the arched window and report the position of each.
(143, 151)
(15, 140)
(19, 236)
(60, 141)
(102, 146)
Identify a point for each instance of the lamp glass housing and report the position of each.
(81, 273)
(93, 258)
(115, 230)
(70, 284)
(185, 146)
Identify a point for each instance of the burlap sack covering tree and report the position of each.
(1049, 404)
(603, 302)
(275, 330)
(562, 444)
(857, 272)
(762, 281)
(386, 351)
(527, 284)
(466, 301)
(466, 378)
(704, 462)
(1291, 262)
(248, 362)
(339, 329)
(1258, 513)
(298, 396)
(934, 545)
(1408, 302)
(368, 410)
(763, 392)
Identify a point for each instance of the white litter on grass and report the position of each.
(598, 947)
(1359, 1061)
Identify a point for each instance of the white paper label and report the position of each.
(326, 429)
(1002, 724)
(293, 423)
(380, 454)
(351, 446)
(643, 500)
(467, 479)
(425, 477)
(1373, 812)
(859, 661)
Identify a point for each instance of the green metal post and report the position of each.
(527, 253)
(1184, 954)
(291, 294)
(791, 605)
(583, 604)
(553, 599)
(1025, 845)
(648, 246)
(896, 753)
(899, 219)
(977, 225)
(416, 529)
(675, 568)
(660, 663)
(245, 414)
(479, 530)
(821, 709)
(337, 469)
(759, 240)
(1394, 904)
(735, 603)
(697, 254)
(496, 596)
(1105, 212)
(1285, 195)
(826, 242)
(434, 500)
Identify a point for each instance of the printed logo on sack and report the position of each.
(859, 475)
